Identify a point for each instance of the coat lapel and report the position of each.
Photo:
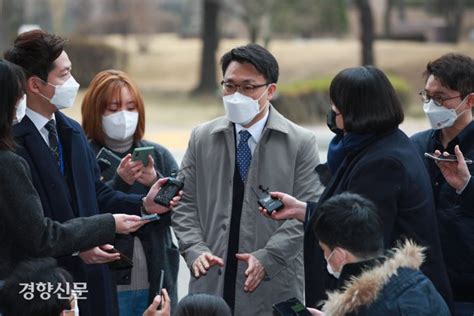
(47, 178)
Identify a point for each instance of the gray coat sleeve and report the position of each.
(185, 218)
(22, 217)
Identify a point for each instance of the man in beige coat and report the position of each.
(232, 250)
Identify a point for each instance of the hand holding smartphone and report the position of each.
(160, 286)
(448, 158)
(150, 217)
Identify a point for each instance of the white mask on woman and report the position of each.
(20, 110)
(121, 125)
(241, 109)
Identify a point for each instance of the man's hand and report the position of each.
(148, 175)
(151, 206)
(254, 273)
(204, 262)
(99, 255)
(292, 208)
(165, 309)
(126, 224)
(456, 173)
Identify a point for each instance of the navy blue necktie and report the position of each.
(244, 155)
(53, 141)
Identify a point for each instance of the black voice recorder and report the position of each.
(268, 202)
(168, 191)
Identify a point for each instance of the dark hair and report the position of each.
(35, 51)
(202, 304)
(351, 222)
(12, 88)
(454, 71)
(366, 99)
(42, 270)
(259, 57)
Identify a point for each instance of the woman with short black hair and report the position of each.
(371, 156)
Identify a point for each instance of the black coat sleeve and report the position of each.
(36, 235)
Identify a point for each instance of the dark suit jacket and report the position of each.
(26, 233)
(78, 193)
(389, 172)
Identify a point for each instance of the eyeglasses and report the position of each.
(438, 100)
(247, 89)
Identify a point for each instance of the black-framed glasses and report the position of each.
(438, 100)
(246, 88)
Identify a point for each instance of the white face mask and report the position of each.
(20, 110)
(120, 125)
(65, 94)
(329, 268)
(241, 109)
(439, 116)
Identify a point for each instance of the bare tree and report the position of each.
(367, 31)
(210, 42)
(11, 17)
(453, 14)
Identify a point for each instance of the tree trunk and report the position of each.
(401, 10)
(367, 31)
(210, 42)
(387, 18)
(453, 16)
(11, 18)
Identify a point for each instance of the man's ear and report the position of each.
(271, 90)
(470, 100)
(33, 84)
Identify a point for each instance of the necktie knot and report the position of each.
(244, 136)
(51, 127)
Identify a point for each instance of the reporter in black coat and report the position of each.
(24, 231)
(372, 157)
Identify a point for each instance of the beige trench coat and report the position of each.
(284, 160)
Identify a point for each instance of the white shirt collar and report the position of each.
(39, 120)
(256, 130)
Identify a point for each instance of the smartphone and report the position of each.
(451, 158)
(106, 155)
(160, 286)
(124, 262)
(142, 153)
(291, 307)
(150, 217)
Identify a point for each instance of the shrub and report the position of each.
(307, 101)
(90, 56)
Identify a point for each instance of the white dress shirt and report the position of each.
(256, 130)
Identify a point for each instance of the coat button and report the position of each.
(219, 272)
(436, 183)
(224, 227)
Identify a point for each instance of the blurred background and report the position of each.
(171, 48)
